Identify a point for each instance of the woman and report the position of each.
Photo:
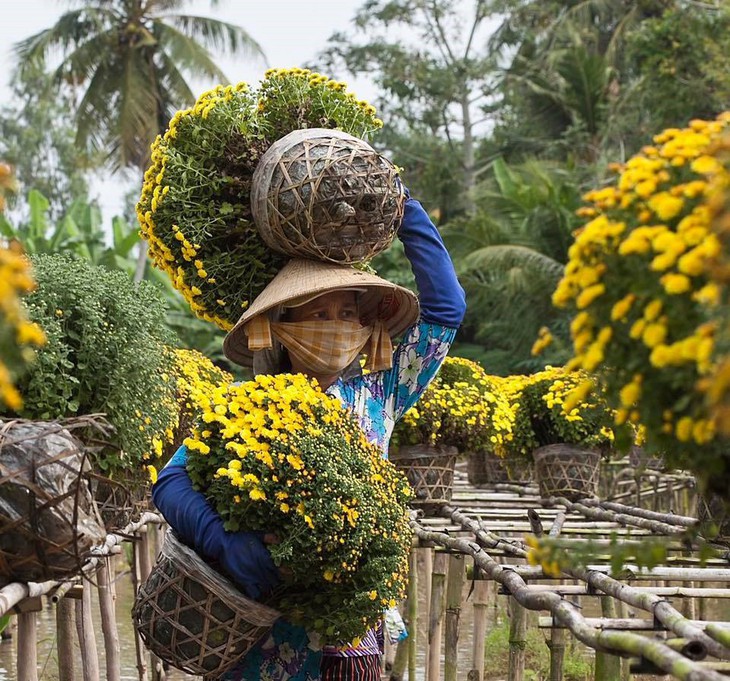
(317, 319)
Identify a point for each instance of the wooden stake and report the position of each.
(454, 588)
(139, 648)
(517, 641)
(87, 638)
(27, 647)
(436, 616)
(481, 598)
(64, 640)
(556, 644)
(412, 621)
(607, 666)
(109, 622)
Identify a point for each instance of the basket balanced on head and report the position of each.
(195, 209)
(326, 195)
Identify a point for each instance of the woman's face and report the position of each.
(334, 306)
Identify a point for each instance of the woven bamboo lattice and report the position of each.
(192, 617)
(430, 470)
(486, 467)
(564, 470)
(48, 518)
(326, 195)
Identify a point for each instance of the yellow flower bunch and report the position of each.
(18, 336)
(639, 281)
(462, 407)
(194, 209)
(563, 407)
(277, 454)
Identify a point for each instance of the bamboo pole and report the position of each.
(557, 653)
(517, 640)
(27, 647)
(64, 640)
(436, 616)
(454, 587)
(87, 639)
(109, 622)
(481, 605)
(139, 648)
(607, 666)
(566, 613)
(412, 622)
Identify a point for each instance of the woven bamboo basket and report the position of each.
(564, 470)
(430, 470)
(48, 517)
(192, 617)
(487, 468)
(714, 517)
(326, 195)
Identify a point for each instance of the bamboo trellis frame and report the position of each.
(483, 526)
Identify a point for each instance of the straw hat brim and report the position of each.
(382, 300)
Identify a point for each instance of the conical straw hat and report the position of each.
(395, 306)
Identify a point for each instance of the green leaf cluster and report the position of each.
(105, 353)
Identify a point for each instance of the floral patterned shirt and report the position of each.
(378, 400)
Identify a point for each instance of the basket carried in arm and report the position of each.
(326, 195)
(192, 617)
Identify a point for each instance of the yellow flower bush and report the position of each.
(645, 303)
(194, 209)
(18, 335)
(462, 408)
(277, 454)
(563, 407)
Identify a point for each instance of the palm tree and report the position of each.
(129, 60)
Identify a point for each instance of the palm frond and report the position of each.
(504, 258)
(216, 35)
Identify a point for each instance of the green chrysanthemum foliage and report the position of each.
(105, 353)
(195, 206)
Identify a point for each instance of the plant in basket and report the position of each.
(277, 454)
(195, 206)
(646, 305)
(571, 430)
(105, 353)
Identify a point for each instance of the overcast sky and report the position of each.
(291, 32)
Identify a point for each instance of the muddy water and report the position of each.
(48, 667)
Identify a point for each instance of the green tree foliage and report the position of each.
(428, 58)
(37, 139)
(510, 256)
(128, 60)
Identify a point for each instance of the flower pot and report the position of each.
(192, 617)
(48, 519)
(486, 467)
(430, 470)
(569, 471)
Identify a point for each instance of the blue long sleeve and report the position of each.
(241, 555)
(440, 295)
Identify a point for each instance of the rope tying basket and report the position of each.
(486, 467)
(48, 518)
(326, 195)
(430, 471)
(564, 470)
(194, 618)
